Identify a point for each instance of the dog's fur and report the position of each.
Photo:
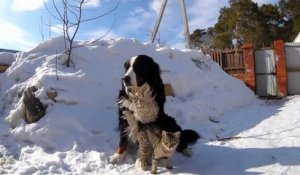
(141, 101)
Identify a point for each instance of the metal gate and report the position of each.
(292, 52)
(265, 71)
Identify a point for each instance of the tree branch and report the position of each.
(108, 31)
(71, 17)
(110, 11)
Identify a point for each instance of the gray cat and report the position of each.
(155, 142)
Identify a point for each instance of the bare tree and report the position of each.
(71, 16)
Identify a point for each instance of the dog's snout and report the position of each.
(126, 80)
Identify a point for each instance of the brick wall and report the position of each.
(281, 74)
(249, 76)
(239, 76)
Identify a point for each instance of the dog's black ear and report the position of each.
(154, 69)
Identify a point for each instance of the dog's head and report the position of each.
(139, 70)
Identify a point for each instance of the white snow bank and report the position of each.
(81, 125)
(6, 58)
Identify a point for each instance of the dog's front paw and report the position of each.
(116, 158)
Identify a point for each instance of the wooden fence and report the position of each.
(231, 61)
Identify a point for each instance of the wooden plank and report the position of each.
(231, 68)
(3, 67)
(169, 90)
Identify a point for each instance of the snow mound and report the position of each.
(81, 124)
(6, 58)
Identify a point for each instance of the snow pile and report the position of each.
(79, 131)
(7, 58)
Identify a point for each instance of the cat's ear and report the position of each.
(177, 134)
(145, 88)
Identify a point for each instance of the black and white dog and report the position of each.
(141, 101)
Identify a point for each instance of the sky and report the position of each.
(79, 132)
(26, 23)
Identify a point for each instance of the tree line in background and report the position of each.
(246, 22)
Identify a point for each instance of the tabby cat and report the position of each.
(158, 143)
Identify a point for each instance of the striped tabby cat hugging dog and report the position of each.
(157, 144)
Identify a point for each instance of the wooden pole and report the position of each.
(185, 23)
(154, 32)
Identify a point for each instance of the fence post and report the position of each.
(281, 75)
(249, 66)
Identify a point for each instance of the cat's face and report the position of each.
(170, 140)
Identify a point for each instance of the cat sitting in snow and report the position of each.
(157, 144)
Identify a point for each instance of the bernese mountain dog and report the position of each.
(141, 101)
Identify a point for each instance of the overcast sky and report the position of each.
(22, 22)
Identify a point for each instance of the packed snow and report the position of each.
(6, 58)
(79, 131)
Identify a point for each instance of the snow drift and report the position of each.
(78, 132)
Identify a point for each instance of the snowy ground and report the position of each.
(79, 131)
(267, 133)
